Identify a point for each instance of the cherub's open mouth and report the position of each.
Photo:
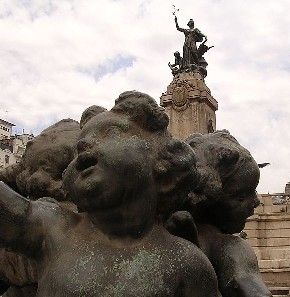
(85, 161)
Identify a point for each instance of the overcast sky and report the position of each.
(58, 57)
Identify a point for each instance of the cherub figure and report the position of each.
(220, 205)
(177, 63)
(38, 174)
(45, 159)
(127, 173)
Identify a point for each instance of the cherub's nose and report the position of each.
(83, 145)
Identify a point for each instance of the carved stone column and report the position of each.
(189, 105)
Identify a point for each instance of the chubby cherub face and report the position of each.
(239, 197)
(113, 164)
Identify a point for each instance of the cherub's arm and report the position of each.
(16, 228)
(246, 278)
(198, 276)
(237, 270)
(181, 224)
(177, 26)
(8, 175)
(205, 281)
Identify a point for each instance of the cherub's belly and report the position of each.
(145, 273)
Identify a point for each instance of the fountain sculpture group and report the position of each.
(115, 206)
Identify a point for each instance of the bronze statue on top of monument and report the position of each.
(187, 100)
(192, 59)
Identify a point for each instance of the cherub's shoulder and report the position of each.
(194, 269)
(48, 211)
(185, 251)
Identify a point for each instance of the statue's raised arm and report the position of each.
(177, 26)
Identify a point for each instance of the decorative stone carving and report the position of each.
(180, 94)
(188, 91)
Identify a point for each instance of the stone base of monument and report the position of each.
(279, 291)
(268, 232)
(189, 105)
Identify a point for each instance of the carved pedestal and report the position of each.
(189, 105)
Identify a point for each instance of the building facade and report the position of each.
(12, 147)
(268, 232)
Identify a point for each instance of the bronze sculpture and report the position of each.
(177, 63)
(192, 36)
(38, 174)
(126, 178)
(224, 171)
(128, 173)
(192, 59)
(220, 206)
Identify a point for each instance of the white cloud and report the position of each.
(58, 57)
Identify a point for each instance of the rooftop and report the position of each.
(5, 122)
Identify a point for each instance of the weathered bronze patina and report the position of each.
(127, 176)
(192, 59)
(220, 206)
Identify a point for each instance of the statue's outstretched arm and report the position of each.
(15, 226)
(177, 26)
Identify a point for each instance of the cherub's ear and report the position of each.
(228, 155)
(194, 139)
(223, 158)
(227, 158)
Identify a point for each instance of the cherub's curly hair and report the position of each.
(174, 169)
(89, 113)
(219, 157)
(55, 144)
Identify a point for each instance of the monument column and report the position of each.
(187, 100)
(189, 105)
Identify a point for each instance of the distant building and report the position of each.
(5, 129)
(12, 147)
(268, 232)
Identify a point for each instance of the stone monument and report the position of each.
(187, 100)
